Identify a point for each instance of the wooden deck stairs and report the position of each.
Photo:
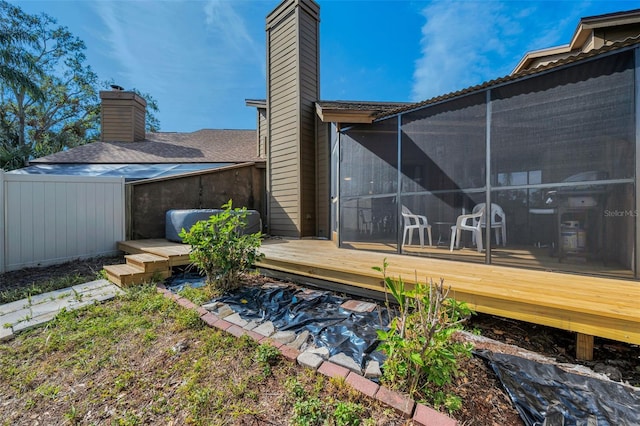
(148, 259)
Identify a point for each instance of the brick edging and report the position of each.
(405, 406)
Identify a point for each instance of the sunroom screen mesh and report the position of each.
(559, 124)
(443, 146)
(369, 159)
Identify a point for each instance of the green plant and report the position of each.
(48, 391)
(421, 354)
(188, 319)
(72, 415)
(294, 388)
(199, 296)
(220, 249)
(77, 295)
(102, 275)
(266, 355)
(308, 412)
(347, 414)
(129, 419)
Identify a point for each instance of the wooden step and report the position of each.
(127, 275)
(148, 262)
(178, 254)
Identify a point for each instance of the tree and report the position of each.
(48, 94)
(13, 61)
(66, 113)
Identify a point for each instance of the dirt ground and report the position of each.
(485, 401)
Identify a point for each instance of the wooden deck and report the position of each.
(590, 306)
(527, 257)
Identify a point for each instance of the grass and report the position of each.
(11, 295)
(143, 359)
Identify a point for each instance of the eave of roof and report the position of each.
(541, 53)
(256, 103)
(353, 111)
(581, 34)
(588, 24)
(621, 45)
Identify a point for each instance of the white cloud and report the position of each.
(465, 43)
(228, 27)
(198, 59)
(145, 54)
(115, 36)
(456, 40)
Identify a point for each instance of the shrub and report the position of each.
(421, 354)
(219, 248)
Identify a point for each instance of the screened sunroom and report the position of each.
(534, 171)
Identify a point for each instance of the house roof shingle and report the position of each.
(202, 146)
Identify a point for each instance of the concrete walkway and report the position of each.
(27, 313)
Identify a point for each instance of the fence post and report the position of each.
(2, 218)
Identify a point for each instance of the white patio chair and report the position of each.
(498, 222)
(366, 223)
(412, 222)
(467, 222)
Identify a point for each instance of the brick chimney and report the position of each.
(122, 116)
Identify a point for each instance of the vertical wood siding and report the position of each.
(139, 123)
(122, 117)
(117, 122)
(262, 132)
(292, 90)
(284, 206)
(309, 93)
(323, 200)
(54, 219)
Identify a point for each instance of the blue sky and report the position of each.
(202, 58)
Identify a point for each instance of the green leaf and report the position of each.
(415, 357)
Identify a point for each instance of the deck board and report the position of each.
(604, 307)
(176, 253)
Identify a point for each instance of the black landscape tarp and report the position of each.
(541, 392)
(299, 309)
(547, 392)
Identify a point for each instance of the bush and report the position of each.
(422, 357)
(219, 248)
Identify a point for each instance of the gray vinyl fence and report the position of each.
(48, 219)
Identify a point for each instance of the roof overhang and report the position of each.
(580, 36)
(529, 57)
(354, 112)
(256, 103)
(587, 25)
(340, 115)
